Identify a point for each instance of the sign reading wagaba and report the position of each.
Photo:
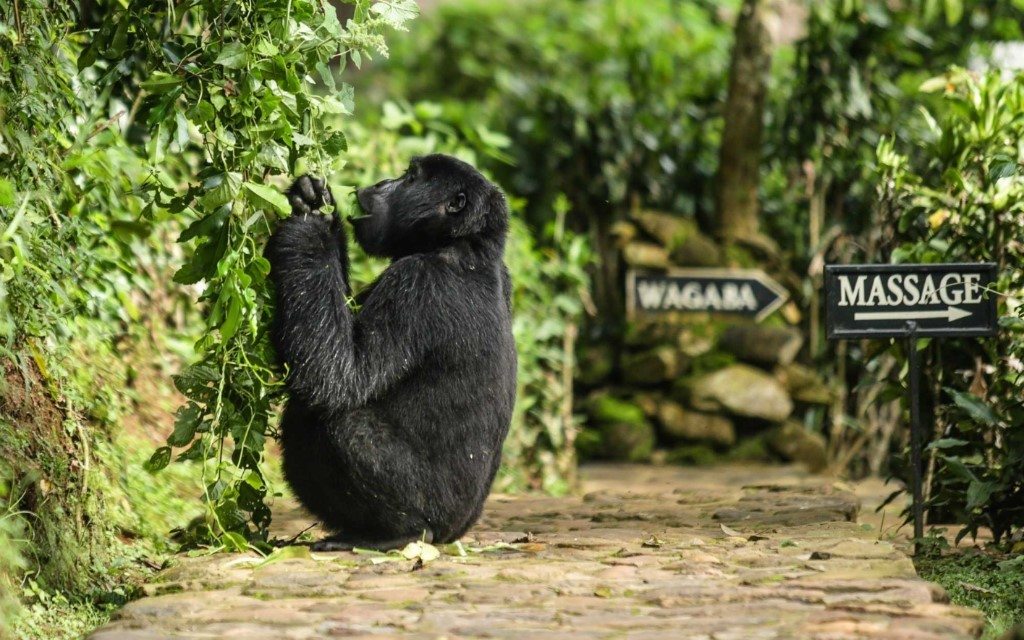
(878, 300)
(744, 292)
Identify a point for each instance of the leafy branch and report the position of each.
(231, 97)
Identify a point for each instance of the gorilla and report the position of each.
(397, 411)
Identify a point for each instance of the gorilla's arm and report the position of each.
(312, 323)
(337, 360)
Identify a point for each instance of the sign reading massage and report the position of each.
(879, 300)
(744, 292)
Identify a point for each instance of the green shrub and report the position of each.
(955, 193)
(229, 98)
(68, 237)
(991, 583)
(854, 80)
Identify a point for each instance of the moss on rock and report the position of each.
(617, 430)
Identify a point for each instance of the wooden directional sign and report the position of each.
(744, 292)
(879, 300)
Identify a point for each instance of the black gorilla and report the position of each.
(397, 412)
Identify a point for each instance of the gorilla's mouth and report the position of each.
(362, 209)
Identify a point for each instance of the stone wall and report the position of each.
(690, 388)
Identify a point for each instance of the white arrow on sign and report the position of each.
(950, 314)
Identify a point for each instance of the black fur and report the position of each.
(397, 413)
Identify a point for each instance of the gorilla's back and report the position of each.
(457, 405)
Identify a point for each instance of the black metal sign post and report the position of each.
(910, 301)
(916, 435)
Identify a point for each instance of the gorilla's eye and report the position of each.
(456, 204)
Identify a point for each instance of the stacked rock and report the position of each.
(692, 388)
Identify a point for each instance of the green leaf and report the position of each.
(234, 541)
(273, 155)
(185, 425)
(1001, 168)
(160, 82)
(954, 11)
(347, 96)
(396, 12)
(206, 227)
(88, 56)
(978, 493)
(266, 47)
(194, 378)
(203, 262)
(336, 144)
(116, 46)
(947, 443)
(231, 319)
(931, 85)
(975, 407)
(220, 189)
(326, 75)
(6, 193)
(263, 197)
(292, 552)
(160, 459)
(959, 469)
(232, 56)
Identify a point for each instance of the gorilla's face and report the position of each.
(438, 200)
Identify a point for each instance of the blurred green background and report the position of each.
(142, 150)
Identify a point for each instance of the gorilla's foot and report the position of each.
(345, 542)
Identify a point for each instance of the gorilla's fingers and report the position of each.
(305, 187)
(299, 205)
(309, 194)
(322, 193)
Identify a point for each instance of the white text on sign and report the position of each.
(896, 290)
(694, 296)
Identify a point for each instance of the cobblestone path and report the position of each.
(719, 554)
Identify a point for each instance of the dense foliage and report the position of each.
(956, 194)
(77, 268)
(228, 95)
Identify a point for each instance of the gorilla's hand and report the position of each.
(308, 195)
(308, 233)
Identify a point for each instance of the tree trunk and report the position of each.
(738, 178)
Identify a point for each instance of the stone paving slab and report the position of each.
(725, 553)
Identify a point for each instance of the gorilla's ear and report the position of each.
(456, 204)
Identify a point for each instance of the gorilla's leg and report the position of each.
(387, 471)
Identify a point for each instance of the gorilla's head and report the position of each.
(437, 202)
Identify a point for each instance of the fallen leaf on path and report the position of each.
(421, 550)
(731, 532)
